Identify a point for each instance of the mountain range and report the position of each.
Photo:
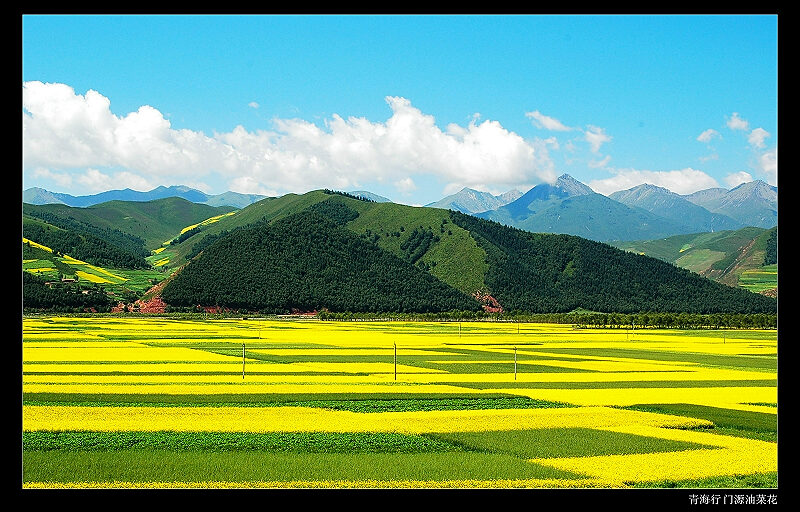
(39, 196)
(327, 249)
(471, 201)
(644, 212)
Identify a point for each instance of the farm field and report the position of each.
(160, 402)
(758, 280)
(51, 267)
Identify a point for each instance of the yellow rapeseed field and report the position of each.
(595, 372)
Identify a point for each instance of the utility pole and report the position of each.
(515, 363)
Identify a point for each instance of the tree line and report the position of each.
(668, 320)
(771, 252)
(36, 295)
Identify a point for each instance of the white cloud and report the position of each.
(757, 137)
(253, 104)
(596, 164)
(405, 185)
(247, 185)
(735, 179)
(548, 123)
(93, 180)
(768, 165)
(683, 181)
(596, 137)
(737, 123)
(707, 135)
(64, 180)
(63, 130)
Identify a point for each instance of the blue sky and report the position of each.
(409, 107)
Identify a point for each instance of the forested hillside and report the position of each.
(68, 297)
(334, 251)
(558, 273)
(82, 245)
(148, 223)
(307, 262)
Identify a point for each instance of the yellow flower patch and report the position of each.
(730, 397)
(306, 419)
(117, 353)
(92, 278)
(34, 244)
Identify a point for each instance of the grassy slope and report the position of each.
(459, 261)
(154, 221)
(48, 266)
(272, 208)
(452, 254)
(722, 256)
(45, 264)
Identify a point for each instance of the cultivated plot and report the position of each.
(171, 402)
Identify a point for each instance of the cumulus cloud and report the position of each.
(737, 123)
(63, 179)
(683, 181)
(757, 137)
(707, 135)
(596, 137)
(768, 166)
(253, 104)
(548, 123)
(94, 180)
(405, 185)
(63, 130)
(737, 178)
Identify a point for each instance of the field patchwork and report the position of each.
(176, 402)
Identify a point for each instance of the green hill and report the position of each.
(543, 273)
(453, 257)
(722, 256)
(153, 222)
(522, 270)
(85, 246)
(308, 261)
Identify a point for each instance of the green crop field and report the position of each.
(758, 280)
(173, 402)
(40, 260)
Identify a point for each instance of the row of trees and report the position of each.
(36, 295)
(580, 319)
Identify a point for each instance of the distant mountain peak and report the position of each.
(572, 186)
(471, 201)
(755, 188)
(365, 194)
(645, 192)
